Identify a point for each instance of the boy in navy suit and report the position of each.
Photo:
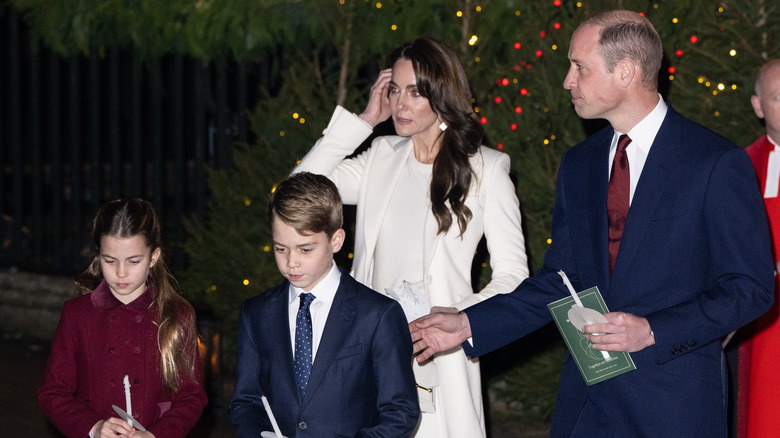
(333, 357)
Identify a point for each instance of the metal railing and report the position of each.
(77, 132)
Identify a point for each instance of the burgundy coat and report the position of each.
(98, 341)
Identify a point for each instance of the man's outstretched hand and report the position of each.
(443, 329)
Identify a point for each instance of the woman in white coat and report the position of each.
(425, 198)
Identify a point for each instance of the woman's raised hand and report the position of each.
(378, 107)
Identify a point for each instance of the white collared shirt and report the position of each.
(642, 136)
(324, 292)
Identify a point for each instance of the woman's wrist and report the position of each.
(369, 119)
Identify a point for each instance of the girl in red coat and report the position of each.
(128, 321)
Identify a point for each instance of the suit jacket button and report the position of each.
(302, 425)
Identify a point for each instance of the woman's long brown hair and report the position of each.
(441, 79)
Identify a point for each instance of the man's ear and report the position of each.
(755, 101)
(627, 71)
(337, 240)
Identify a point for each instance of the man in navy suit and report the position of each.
(689, 262)
(339, 365)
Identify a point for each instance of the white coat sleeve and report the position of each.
(345, 132)
(503, 231)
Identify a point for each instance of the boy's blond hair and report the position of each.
(308, 202)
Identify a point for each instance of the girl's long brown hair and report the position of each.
(176, 333)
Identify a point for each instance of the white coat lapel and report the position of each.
(431, 240)
(383, 177)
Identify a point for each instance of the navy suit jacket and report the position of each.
(361, 382)
(694, 259)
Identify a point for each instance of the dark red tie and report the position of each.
(618, 195)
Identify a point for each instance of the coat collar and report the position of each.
(597, 179)
(337, 327)
(592, 228)
(104, 300)
(383, 180)
(664, 156)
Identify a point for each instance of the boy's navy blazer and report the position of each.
(694, 260)
(361, 381)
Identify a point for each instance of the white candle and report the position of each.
(604, 354)
(128, 404)
(571, 288)
(271, 417)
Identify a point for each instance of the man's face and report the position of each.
(594, 90)
(767, 104)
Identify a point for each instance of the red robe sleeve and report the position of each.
(759, 353)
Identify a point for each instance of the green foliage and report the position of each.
(748, 27)
(522, 378)
(230, 254)
(229, 251)
(533, 121)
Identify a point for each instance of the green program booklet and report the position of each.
(593, 364)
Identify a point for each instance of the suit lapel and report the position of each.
(381, 184)
(586, 209)
(431, 238)
(598, 172)
(277, 325)
(337, 326)
(653, 183)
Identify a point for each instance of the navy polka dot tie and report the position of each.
(303, 343)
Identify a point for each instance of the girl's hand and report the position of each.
(139, 434)
(378, 107)
(114, 427)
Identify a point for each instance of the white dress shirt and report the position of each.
(642, 136)
(324, 292)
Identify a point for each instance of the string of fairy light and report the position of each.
(713, 87)
(716, 87)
